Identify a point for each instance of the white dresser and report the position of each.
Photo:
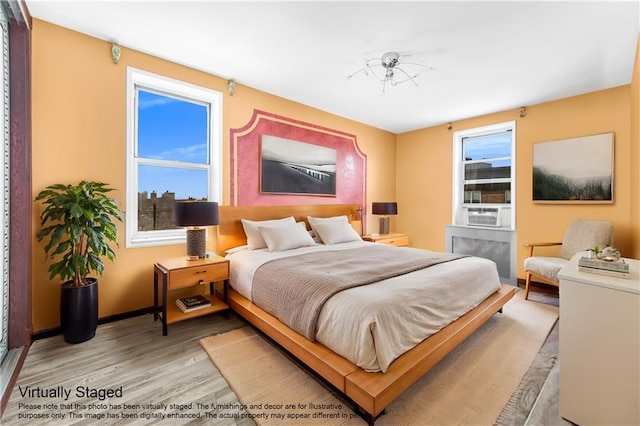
(599, 346)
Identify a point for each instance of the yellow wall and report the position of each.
(79, 133)
(635, 155)
(424, 180)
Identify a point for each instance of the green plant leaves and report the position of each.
(79, 228)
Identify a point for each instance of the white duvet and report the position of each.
(372, 325)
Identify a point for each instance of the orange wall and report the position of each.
(79, 133)
(424, 180)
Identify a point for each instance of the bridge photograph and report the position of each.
(293, 167)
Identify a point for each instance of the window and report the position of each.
(173, 153)
(484, 173)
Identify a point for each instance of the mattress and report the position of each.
(372, 325)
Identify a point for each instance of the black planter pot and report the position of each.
(79, 311)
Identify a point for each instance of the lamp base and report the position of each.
(384, 225)
(196, 243)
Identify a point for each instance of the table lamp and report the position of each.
(194, 215)
(385, 209)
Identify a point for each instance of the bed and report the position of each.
(367, 372)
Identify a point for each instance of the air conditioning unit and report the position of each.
(483, 216)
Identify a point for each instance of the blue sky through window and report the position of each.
(172, 129)
(185, 183)
(488, 146)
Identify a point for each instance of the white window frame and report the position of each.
(458, 170)
(142, 79)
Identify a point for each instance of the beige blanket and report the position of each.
(294, 289)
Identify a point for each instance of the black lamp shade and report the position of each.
(384, 208)
(195, 213)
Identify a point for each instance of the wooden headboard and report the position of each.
(231, 234)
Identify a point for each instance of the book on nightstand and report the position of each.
(617, 268)
(192, 303)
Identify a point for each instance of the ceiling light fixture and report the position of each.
(390, 70)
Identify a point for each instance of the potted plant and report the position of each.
(78, 224)
(594, 253)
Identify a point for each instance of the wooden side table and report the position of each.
(392, 239)
(176, 273)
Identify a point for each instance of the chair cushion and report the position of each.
(547, 267)
(582, 235)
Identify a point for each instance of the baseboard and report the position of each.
(112, 318)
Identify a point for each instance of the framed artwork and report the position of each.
(328, 150)
(578, 170)
(292, 167)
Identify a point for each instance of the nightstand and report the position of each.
(180, 273)
(392, 239)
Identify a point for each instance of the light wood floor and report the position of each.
(153, 369)
(131, 353)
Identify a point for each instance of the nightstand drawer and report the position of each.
(188, 277)
(400, 240)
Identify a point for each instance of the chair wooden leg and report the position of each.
(526, 290)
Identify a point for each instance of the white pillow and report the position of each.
(336, 232)
(286, 237)
(254, 238)
(313, 221)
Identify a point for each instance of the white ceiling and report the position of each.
(486, 56)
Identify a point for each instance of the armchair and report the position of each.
(580, 236)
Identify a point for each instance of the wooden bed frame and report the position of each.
(371, 392)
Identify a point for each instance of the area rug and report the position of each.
(517, 409)
(471, 385)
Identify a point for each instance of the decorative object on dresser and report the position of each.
(80, 227)
(384, 209)
(580, 235)
(180, 273)
(194, 215)
(392, 239)
(605, 262)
